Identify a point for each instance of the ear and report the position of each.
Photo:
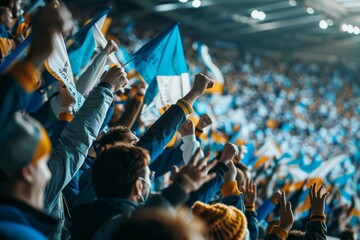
(138, 186)
(27, 174)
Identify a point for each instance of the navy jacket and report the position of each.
(20, 221)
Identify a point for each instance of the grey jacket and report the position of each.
(75, 141)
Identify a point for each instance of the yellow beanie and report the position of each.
(224, 222)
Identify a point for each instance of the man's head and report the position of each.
(23, 161)
(13, 5)
(122, 171)
(158, 223)
(6, 17)
(117, 134)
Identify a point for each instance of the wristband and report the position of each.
(67, 109)
(250, 207)
(199, 130)
(318, 216)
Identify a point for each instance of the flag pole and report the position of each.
(129, 61)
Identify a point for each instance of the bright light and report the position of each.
(255, 14)
(356, 30)
(292, 3)
(262, 16)
(330, 22)
(196, 3)
(344, 27)
(350, 28)
(183, 1)
(259, 15)
(310, 10)
(323, 24)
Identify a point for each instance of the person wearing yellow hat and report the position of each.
(224, 222)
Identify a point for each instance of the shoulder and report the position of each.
(14, 230)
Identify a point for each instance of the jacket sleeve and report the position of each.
(176, 156)
(253, 224)
(265, 209)
(315, 230)
(231, 195)
(91, 76)
(167, 159)
(76, 139)
(277, 233)
(161, 132)
(209, 190)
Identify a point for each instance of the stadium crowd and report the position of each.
(254, 158)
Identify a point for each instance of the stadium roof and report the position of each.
(291, 27)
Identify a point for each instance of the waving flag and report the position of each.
(83, 43)
(267, 152)
(162, 65)
(58, 65)
(91, 76)
(204, 55)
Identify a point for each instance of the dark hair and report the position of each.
(347, 235)
(7, 3)
(4, 10)
(116, 134)
(116, 169)
(157, 223)
(296, 235)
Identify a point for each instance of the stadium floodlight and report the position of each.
(356, 30)
(292, 3)
(262, 16)
(323, 24)
(310, 10)
(350, 28)
(259, 15)
(344, 27)
(196, 3)
(183, 1)
(255, 14)
(330, 22)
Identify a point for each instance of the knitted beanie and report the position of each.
(224, 222)
(26, 143)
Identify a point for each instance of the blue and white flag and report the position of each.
(124, 56)
(162, 65)
(84, 43)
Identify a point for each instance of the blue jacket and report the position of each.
(19, 221)
(209, 190)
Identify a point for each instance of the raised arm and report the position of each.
(77, 138)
